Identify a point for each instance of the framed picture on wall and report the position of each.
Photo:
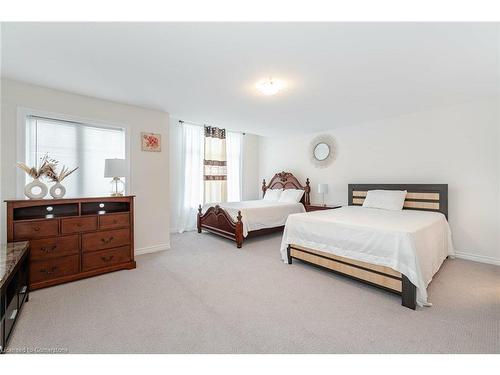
(151, 142)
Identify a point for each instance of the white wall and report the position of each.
(176, 175)
(149, 176)
(251, 182)
(250, 179)
(456, 145)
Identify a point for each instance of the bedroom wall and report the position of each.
(457, 145)
(250, 179)
(148, 170)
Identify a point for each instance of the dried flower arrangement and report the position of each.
(55, 177)
(48, 169)
(46, 164)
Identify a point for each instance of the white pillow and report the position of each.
(272, 195)
(385, 199)
(291, 195)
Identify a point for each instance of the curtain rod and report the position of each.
(197, 124)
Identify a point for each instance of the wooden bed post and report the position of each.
(307, 190)
(238, 233)
(408, 293)
(199, 219)
(264, 188)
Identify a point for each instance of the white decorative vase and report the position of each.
(36, 183)
(57, 190)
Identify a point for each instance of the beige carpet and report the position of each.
(206, 296)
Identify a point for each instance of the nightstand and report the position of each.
(313, 207)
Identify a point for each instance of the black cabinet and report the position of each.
(14, 287)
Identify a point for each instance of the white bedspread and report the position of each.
(414, 243)
(259, 214)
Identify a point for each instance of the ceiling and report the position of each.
(338, 74)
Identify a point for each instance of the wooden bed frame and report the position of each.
(420, 197)
(217, 220)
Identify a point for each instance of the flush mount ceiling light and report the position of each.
(270, 86)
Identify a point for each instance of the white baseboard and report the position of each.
(151, 249)
(478, 258)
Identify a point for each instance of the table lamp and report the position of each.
(116, 168)
(323, 189)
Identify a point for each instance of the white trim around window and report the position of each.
(22, 115)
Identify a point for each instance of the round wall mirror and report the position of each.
(321, 151)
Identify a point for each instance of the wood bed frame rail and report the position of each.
(382, 277)
(218, 221)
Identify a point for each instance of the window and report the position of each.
(76, 145)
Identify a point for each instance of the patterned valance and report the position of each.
(214, 132)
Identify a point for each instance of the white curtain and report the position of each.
(191, 189)
(234, 150)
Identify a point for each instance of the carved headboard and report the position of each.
(286, 180)
(424, 197)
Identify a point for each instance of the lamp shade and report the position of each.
(322, 188)
(115, 168)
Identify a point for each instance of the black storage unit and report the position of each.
(14, 292)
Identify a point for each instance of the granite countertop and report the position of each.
(10, 254)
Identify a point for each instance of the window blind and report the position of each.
(76, 144)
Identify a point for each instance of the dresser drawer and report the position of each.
(54, 268)
(114, 221)
(54, 247)
(78, 224)
(35, 229)
(106, 258)
(105, 239)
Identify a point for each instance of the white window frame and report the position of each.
(22, 115)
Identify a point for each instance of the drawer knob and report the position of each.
(78, 224)
(48, 249)
(107, 240)
(107, 259)
(36, 229)
(49, 272)
(115, 221)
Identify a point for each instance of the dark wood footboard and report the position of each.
(218, 221)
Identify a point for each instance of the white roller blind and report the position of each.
(76, 144)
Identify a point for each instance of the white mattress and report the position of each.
(414, 243)
(259, 214)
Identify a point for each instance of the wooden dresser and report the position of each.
(71, 239)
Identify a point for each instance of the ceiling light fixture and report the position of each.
(270, 86)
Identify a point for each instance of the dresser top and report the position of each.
(10, 255)
(65, 200)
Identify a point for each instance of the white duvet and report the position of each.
(259, 214)
(414, 243)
